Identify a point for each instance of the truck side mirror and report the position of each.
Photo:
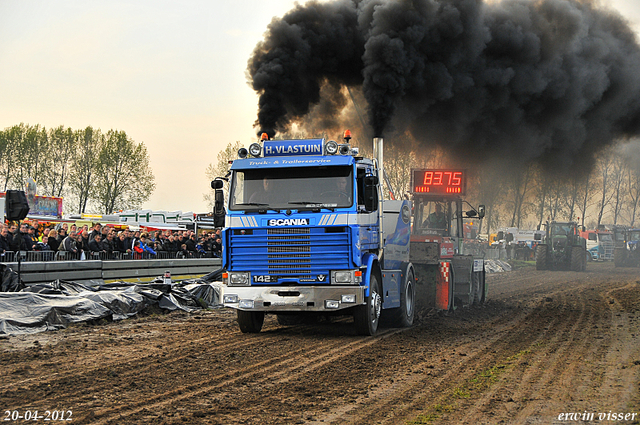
(218, 203)
(481, 211)
(371, 193)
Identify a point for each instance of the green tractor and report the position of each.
(561, 248)
(628, 254)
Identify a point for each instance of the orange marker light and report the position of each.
(357, 272)
(264, 136)
(347, 135)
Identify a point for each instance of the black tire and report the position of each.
(577, 258)
(402, 317)
(619, 257)
(367, 317)
(250, 321)
(483, 287)
(475, 283)
(542, 257)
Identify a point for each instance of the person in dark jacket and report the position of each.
(4, 242)
(85, 240)
(62, 234)
(109, 244)
(20, 239)
(191, 244)
(97, 230)
(53, 240)
(122, 246)
(14, 243)
(94, 244)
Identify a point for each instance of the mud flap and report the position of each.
(444, 287)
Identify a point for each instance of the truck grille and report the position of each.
(292, 253)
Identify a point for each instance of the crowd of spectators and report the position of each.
(67, 241)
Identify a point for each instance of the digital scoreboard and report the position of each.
(439, 182)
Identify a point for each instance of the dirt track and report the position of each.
(545, 343)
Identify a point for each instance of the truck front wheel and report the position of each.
(366, 317)
(250, 321)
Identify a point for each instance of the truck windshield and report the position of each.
(634, 236)
(291, 188)
(605, 237)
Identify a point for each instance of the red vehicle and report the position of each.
(450, 274)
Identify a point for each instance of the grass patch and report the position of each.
(474, 386)
(519, 264)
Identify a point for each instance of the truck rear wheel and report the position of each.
(542, 257)
(577, 259)
(402, 317)
(366, 317)
(250, 321)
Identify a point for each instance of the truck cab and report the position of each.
(306, 232)
(600, 244)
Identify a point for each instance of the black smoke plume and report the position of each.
(549, 80)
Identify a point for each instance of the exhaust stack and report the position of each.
(378, 154)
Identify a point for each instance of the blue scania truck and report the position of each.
(306, 232)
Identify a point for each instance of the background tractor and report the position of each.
(561, 248)
(628, 255)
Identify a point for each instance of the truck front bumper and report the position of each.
(292, 298)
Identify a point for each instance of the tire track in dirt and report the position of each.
(274, 370)
(400, 400)
(144, 364)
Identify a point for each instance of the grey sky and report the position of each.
(171, 74)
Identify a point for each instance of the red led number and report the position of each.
(457, 178)
(428, 177)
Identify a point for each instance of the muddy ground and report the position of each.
(545, 344)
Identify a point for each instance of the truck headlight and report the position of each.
(230, 298)
(331, 147)
(255, 149)
(331, 304)
(238, 278)
(349, 277)
(342, 277)
(245, 304)
(349, 299)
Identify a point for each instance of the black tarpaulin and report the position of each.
(54, 305)
(27, 312)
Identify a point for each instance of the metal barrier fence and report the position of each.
(31, 256)
(97, 271)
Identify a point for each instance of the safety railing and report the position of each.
(32, 256)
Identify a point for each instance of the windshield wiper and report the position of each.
(315, 206)
(259, 204)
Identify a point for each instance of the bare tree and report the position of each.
(618, 180)
(633, 187)
(490, 183)
(585, 196)
(603, 186)
(519, 187)
(220, 169)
